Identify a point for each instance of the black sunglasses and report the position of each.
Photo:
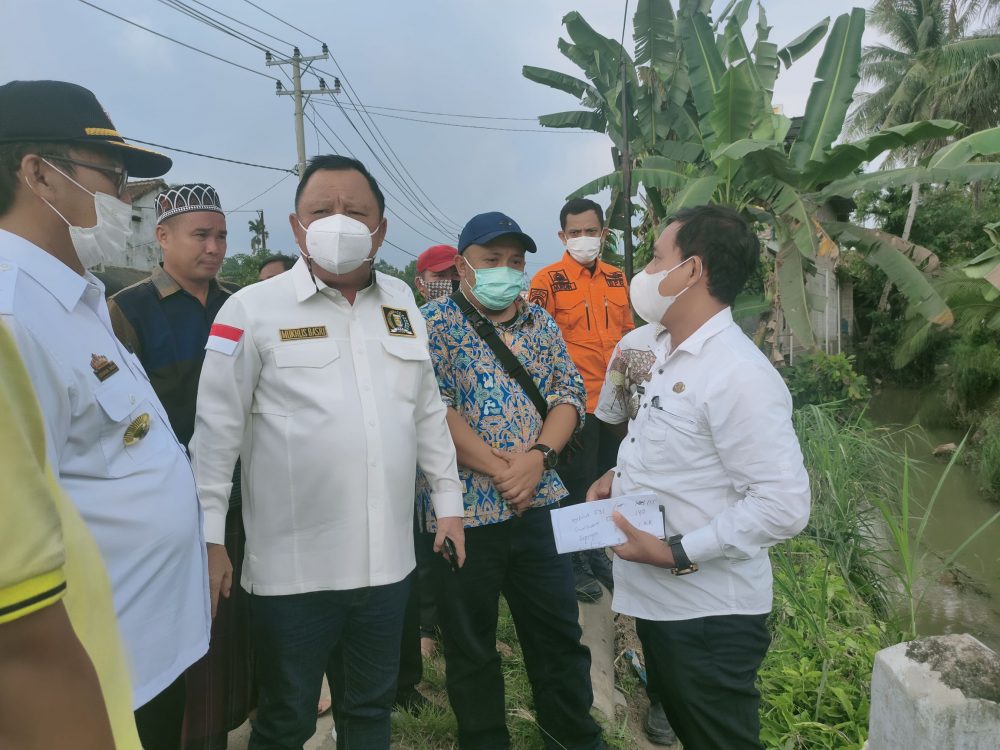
(118, 175)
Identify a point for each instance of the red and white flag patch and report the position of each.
(223, 339)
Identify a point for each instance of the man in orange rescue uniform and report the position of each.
(589, 300)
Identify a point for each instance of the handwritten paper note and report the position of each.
(589, 525)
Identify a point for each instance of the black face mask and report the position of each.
(438, 288)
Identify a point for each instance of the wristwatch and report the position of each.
(551, 456)
(682, 563)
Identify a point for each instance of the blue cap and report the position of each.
(486, 227)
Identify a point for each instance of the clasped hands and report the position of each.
(516, 476)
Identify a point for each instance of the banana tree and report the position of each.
(706, 130)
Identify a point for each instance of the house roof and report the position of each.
(139, 188)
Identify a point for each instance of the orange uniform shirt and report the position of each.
(592, 310)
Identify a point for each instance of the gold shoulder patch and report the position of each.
(307, 332)
(398, 322)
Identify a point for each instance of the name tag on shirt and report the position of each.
(307, 332)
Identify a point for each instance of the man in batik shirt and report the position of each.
(506, 456)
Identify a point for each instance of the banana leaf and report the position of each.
(983, 143)
(909, 175)
(555, 79)
(803, 44)
(705, 65)
(898, 260)
(792, 293)
(576, 119)
(833, 92)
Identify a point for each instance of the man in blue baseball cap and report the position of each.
(514, 401)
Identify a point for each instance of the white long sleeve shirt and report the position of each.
(111, 445)
(331, 407)
(712, 438)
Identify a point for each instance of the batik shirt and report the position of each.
(476, 385)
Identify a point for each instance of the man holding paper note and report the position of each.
(710, 434)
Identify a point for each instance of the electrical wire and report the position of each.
(388, 210)
(245, 24)
(282, 20)
(260, 195)
(450, 114)
(197, 15)
(176, 41)
(209, 156)
(397, 180)
(556, 131)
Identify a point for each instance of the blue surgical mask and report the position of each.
(496, 288)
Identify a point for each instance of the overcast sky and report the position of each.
(444, 56)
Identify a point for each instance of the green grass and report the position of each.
(436, 729)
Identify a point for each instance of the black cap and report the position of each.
(486, 227)
(60, 112)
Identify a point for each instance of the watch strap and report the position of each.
(682, 563)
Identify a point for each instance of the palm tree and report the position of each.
(936, 65)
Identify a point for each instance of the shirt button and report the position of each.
(619, 474)
(371, 423)
(4, 266)
(660, 372)
(631, 440)
(644, 406)
(131, 398)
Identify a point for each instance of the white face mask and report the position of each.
(646, 299)
(584, 250)
(338, 243)
(107, 237)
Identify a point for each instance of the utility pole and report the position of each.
(626, 157)
(297, 92)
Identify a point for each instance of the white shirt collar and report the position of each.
(58, 279)
(693, 343)
(306, 285)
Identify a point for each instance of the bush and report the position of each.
(821, 378)
(815, 680)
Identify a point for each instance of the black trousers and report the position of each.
(579, 470)
(159, 722)
(420, 618)
(518, 559)
(704, 672)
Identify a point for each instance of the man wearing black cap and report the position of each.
(63, 168)
(507, 449)
(165, 320)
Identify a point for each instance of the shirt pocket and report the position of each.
(307, 376)
(133, 433)
(675, 437)
(616, 314)
(405, 363)
(574, 316)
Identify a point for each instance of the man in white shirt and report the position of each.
(63, 168)
(710, 434)
(320, 380)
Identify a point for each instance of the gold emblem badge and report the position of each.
(103, 367)
(398, 322)
(137, 430)
(679, 387)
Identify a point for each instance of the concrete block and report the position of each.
(598, 627)
(937, 693)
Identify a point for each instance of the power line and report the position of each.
(209, 156)
(389, 210)
(211, 22)
(556, 131)
(245, 24)
(176, 41)
(356, 100)
(427, 217)
(450, 114)
(282, 20)
(397, 180)
(260, 195)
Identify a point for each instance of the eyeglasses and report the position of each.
(118, 175)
